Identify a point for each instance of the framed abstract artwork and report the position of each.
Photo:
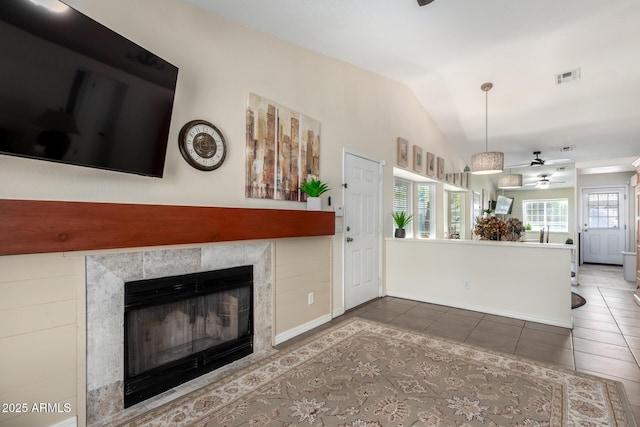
(440, 168)
(431, 164)
(403, 152)
(282, 150)
(417, 159)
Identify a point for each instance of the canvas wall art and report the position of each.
(282, 150)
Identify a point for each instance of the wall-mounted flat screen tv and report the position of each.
(73, 91)
(504, 205)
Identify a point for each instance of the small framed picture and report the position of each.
(456, 178)
(431, 164)
(417, 159)
(464, 180)
(403, 152)
(440, 170)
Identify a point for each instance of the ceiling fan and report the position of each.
(544, 182)
(537, 161)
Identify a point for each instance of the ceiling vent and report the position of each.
(560, 169)
(568, 148)
(568, 76)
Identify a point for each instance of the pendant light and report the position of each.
(510, 181)
(488, 162)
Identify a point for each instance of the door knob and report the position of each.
(349, 239)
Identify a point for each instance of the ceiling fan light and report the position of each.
(487, 163)
(543, 185)
(510, 181)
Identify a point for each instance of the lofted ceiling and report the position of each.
(445, 50)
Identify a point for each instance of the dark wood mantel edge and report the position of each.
(35, 226)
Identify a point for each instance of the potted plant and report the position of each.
(402, 219)
(314, 188)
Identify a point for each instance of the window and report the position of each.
(417, 199)
(456, 208)
(604, 210)
(541, 214)
(402, 200)
(426, 198)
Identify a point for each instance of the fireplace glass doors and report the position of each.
(179, 327)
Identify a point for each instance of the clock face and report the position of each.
(202, 145)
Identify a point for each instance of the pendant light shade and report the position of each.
(489, 162)
(510, 181)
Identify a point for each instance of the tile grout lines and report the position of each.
(624, 337)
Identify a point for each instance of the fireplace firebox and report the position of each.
(180, 327)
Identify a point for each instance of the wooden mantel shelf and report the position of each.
(31, 226)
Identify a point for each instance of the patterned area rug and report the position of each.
(364, 374)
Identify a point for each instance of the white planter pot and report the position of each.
(314, 204)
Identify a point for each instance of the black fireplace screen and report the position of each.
(179, 327)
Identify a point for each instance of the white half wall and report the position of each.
(520, 280)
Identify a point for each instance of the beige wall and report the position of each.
(303, 266)
(220, 63)
(40, 334)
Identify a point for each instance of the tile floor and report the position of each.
(605, 340)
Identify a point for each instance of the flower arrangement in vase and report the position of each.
(491, 228)
(516, 229)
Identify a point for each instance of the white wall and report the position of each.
(501, 278)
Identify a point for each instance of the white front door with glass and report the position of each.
(603, 225)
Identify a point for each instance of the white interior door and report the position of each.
(361, 230)
(603, 225)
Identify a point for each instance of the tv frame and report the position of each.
(88, 41)
(500, 205)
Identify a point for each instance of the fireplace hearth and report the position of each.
(179, 327)
(107, 275)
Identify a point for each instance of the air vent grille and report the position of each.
(568, 76)
(568, 148)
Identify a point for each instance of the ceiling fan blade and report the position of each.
(557, 161)
(520, 165)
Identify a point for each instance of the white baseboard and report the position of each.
(287, 335)
(70, 422)
(338, 312)
(505, 313)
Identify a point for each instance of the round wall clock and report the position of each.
(202, 145)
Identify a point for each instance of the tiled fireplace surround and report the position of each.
(105, 278)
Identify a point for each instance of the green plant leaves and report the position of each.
(313, 188)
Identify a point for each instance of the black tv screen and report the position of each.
(504, 205)
(74, 91)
